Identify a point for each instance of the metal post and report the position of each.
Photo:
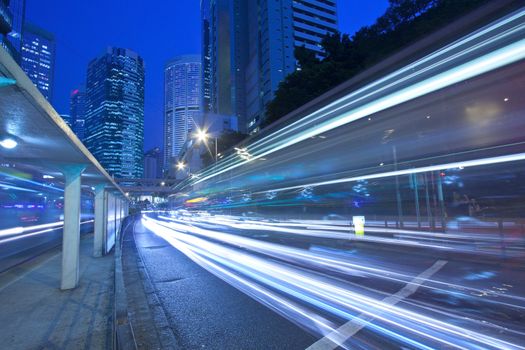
(71, 235)
(216, 153)
(441, 201)
(430, 217)
(416, 199)
(100, 220)
(398, 192)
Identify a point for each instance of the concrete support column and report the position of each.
(71, 235)
(101, 216)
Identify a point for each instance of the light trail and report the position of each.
(483, 62)
(331, 295)
(439, 167)
(477, 131)
(328, 262)
(18, 230)
(460, 243)
(25, 232)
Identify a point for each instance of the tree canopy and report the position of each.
(404, 22)
(225, 142)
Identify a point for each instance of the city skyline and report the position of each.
(78, 41)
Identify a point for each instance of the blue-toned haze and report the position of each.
(158, 30)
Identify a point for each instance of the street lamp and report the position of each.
(203, 136)
(181, 165)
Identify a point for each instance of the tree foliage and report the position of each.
(225, 142)
(404, 22)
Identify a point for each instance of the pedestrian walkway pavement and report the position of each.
(36, 314)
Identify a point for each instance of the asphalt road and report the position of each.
(428, 296)
(205, 312)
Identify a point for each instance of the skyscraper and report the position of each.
(77, 111)
(38, 58)
(115, 111)
(312, 20)
(245, 60)
(153, 164)
(68, 120)
(206, 58)
(18, 9)
(182, 103)
(225, 50)
(12, 17)
(6, 26)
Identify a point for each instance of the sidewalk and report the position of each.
(36, 314)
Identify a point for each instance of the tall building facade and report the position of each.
(248, 48)
(12, 17)
(6, 26)
(182, 103)
(115, 112)
(18, 9)
(206, 104)
(312, 20)
(225, 44)
(77, 111)
(153, 164)
(38, 58)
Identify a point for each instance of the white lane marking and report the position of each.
(340, 335)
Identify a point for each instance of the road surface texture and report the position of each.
(203, 311)
(315, 285)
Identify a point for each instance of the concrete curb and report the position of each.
(123, 337)
(165, 334)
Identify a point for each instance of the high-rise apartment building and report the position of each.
(38, 58)
(12, 17)
(115, 112)
(77, 111)
(182, 103)
(248, 49)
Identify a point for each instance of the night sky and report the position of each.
(157, 29)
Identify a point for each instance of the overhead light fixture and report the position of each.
(8, 143)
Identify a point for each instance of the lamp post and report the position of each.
(181, 165)
(203, 136)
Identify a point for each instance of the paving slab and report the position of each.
(36, 314)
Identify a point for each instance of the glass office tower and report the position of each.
(77, 110)
(115, 112)
(248, 49)
(38, 58)
(12, 17)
